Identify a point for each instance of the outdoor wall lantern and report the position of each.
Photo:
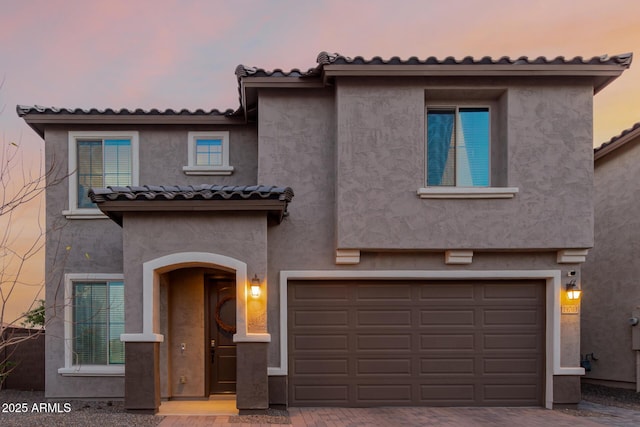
(573, 292)
(255, 287)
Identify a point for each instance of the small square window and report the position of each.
(208, 154)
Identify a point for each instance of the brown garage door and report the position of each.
(416, 343)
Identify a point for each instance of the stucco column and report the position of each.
(252, 389)
(142, 377)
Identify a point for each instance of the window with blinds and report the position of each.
(98, 321)
(458, 147)
(101, 163)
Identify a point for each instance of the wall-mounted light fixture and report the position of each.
(255, 287)
(573, 292)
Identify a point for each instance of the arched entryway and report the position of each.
(198, 323)
(175, 284)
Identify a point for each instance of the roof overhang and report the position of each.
(600, 75)
(115, 202)
(38, 120)
(249, 87)
(617, 142)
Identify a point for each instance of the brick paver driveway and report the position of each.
(589, 415)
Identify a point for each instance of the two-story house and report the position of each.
(442, 209)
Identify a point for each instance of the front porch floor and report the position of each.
(216, 405)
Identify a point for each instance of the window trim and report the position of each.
(193, 168)
(94, 213)
(69, 368)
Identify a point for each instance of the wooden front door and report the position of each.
(220, 346)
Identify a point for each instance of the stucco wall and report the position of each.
(611, 272)
(329, 147)
(72, 247)
(242, 236)
(380, 166)
(95, 246)
(304, 157)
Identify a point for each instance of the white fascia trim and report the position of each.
(467, 192)
(74, 212)
(69, 367)
(554, 289)
(93, 371)
(151, 271)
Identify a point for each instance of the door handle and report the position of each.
(213, 343)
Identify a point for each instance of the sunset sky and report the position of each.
(182, 54)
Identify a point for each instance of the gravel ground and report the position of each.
(621, 398)
(17, 410)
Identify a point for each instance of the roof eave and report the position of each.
(37, 120)
(249, 87)
(601, 75)
(599, 153)
(115, 209)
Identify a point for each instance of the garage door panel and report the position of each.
(320, 318)
(398, 292)
(510, 392)
(511, 365)
(384, 393)
(312, 293)
(436, 293)
(383, 367)
(320, 342)
(321, 366)
(526, 293)
(511, 317)
(395, 342)
(449, 394)
(447, 366)
(314, 393)
(384, 318)
(449, 342)
(505, 341)
(427, 343)
(437, 318)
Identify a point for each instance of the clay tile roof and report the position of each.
(617, 141)
(23, 110)
(191, 192)
(115, 201)
(325, 58)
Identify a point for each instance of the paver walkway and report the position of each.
(589, 415)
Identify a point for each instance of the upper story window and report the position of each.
(99, 159)
(458, 146)
(466, 145)
(208, 154)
